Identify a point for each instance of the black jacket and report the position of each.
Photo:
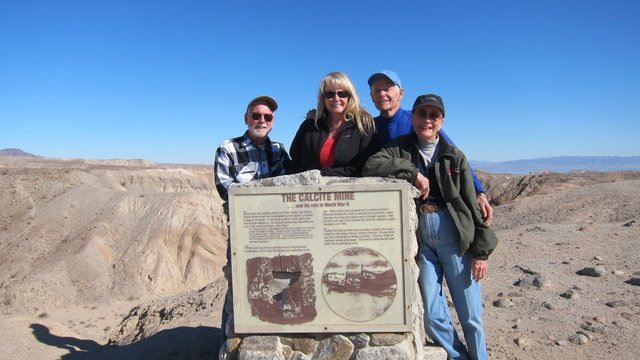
(351, 151)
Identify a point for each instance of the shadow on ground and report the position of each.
(200, 342)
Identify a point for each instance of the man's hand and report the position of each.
(422, 183)
(485, 208)
(479, 269)
(311, 114)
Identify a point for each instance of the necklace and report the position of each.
(335, 130)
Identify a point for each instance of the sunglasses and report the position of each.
(257, 116)
(332, 94)
(430, 115)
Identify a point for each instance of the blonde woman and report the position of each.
(340, 138)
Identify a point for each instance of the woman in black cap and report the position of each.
(454, 242)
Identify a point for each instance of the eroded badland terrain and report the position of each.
(122, 259)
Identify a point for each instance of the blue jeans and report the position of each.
(438, 256)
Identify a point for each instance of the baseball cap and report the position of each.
(266, 100)
(391, 75)
(429, 99)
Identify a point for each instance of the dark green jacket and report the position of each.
(399, 158)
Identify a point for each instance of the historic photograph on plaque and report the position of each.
(320, 258)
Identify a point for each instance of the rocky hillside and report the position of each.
(504, 188)
(75, 232)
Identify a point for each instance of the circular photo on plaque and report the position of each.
(359, 284)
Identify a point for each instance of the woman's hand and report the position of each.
(485, 208)
(479, 269)
(422, 183)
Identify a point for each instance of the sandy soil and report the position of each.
(80, 247)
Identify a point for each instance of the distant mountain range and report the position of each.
(554, 164)
(16, 152)
(560, 164)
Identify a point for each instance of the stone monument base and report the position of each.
(331, 346)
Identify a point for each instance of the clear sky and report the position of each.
(167, 81)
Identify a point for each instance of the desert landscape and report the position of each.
(121, 259)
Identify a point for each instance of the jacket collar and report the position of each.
(246, 140)
(444, 148)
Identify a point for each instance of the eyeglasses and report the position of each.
(430, 115)
(332, 94)
(257, 116)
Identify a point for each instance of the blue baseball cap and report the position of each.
(391, 75)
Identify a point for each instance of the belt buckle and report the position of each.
(428, 208)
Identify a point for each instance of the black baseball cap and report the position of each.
(429, 99)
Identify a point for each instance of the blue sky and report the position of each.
(167, 81)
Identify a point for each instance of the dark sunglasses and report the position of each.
(257, 116)
(332, 94)
(431, 115)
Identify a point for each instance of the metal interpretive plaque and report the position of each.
(321, 258)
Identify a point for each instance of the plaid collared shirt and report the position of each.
(239, 160)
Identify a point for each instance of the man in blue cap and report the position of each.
(394, 121)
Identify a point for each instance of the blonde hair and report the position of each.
(354, 109)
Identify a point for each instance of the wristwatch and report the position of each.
(484, 194)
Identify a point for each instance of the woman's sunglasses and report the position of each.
(429, 115)
(332, 94)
